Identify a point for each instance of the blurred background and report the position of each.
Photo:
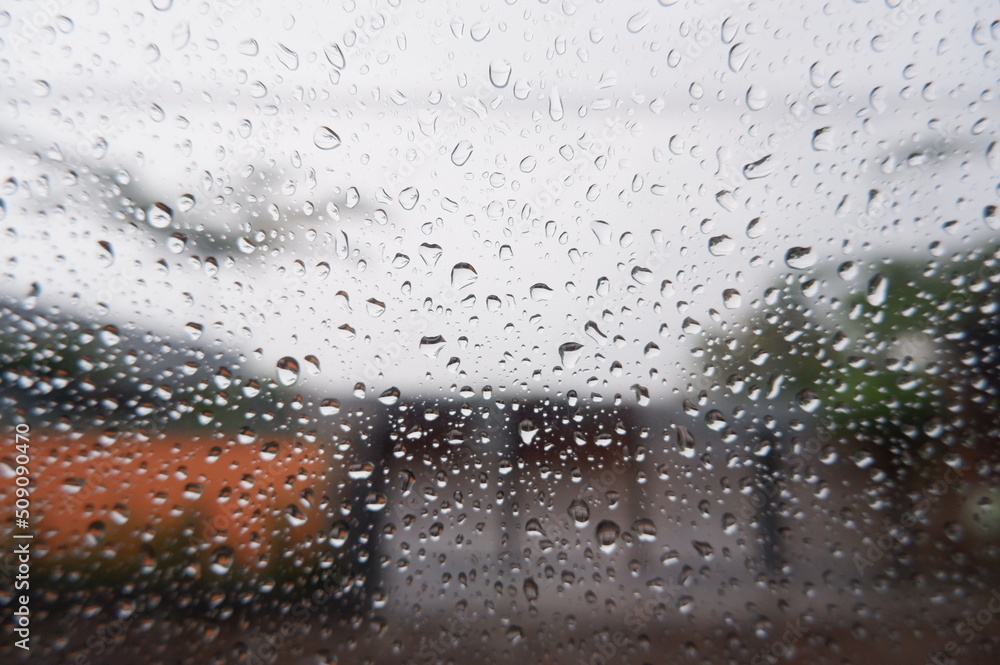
(399, 331)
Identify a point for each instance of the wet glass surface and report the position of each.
(409, 332)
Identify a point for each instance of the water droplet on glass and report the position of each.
(408, 198)
(119, 514)
(555, 106)
(579, 511)
(757, 97)
(607, 533)
(461, 153)
(759, 169)
(258, 90)
(540, 292)
(312, 363)
(705, 550)
(269, 450)
(530, 590)
(878, 290)
(644, 529)
(715, 420)
(808, 401)
(595, 333)
(376, 308)
(479, 31)
(246, 246)
(389, 397)
(335, 55)
(642, 275)
(352, 197)
(602, 230)
(95, 532)
(463, 275)
(339, 532)
(329, 407)
(295, 516)
(533, 527)
(430, 254)
(107, 255)
(726, 200)
(222, 560)
(822, 139)
(637, 22)
(325, 138)
(288, 371)
(721, 245)
(287, 57)
(800, 258)
(991, 217)
(500, 73)
(223, 378)
(109, 335)
(431, 346)
(176, 243)
(738, 56)
(570, 354)
(248, 47)
(159, 216)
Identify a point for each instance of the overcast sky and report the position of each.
(540, 143)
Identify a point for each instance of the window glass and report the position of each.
(555, 331)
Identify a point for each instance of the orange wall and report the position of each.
(138, 491)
